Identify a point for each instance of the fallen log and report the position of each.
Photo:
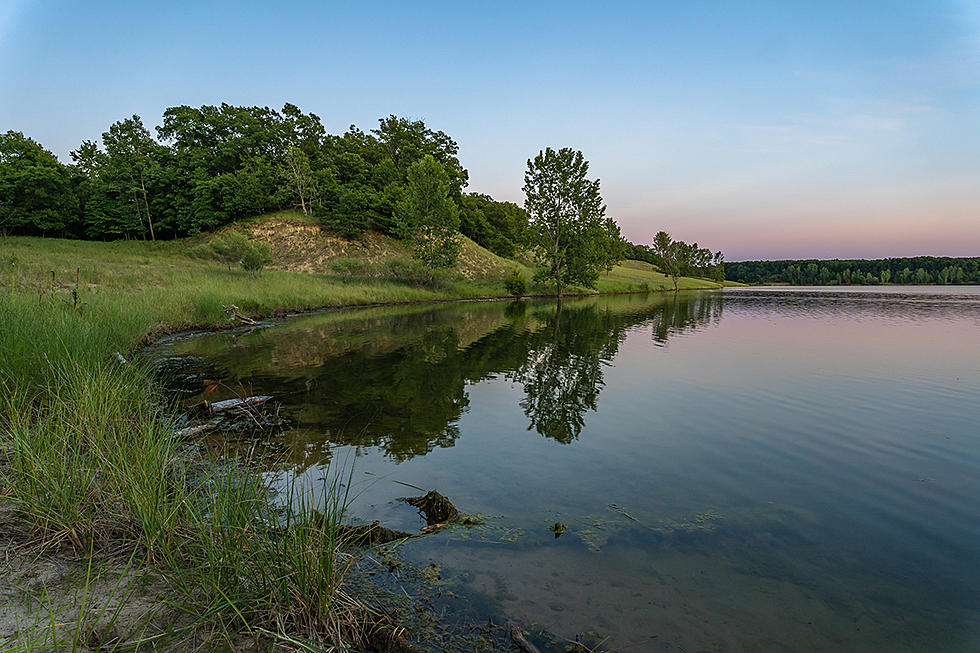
(237, 405)
(233, 312)
(191, 431)
(521, 642)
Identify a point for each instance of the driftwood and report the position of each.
(191, 431)
(371, 534)
(233, 312)
(238, 405)
(521, 642)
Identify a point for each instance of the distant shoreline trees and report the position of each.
(916, 270)
(675, 258)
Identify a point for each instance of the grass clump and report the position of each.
(275, 574)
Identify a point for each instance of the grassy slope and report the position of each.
(167, 289)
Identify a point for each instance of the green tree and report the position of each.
(501, 227)
(36, 193)
(566, 216)
(428, 216)
(130, 162)
(299, 177)
(407, 141)
(666, 250)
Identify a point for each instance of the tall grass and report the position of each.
(93, 463)
(275, 573)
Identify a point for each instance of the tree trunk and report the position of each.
(146, 204)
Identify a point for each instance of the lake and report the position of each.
(755, 469)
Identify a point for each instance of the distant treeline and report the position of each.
(209, 166)
(914, 270)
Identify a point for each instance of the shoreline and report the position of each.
(152, 337)
(53, 545)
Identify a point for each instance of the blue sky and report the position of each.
(777, 129)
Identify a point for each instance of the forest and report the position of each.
(209, 166)
(912, 270)
(213, 165)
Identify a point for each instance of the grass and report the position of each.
(91, 463)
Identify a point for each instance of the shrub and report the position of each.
(515, 283)
(255, 257)
(415, 272)
(202, 251)
(234, 247)
(350, 267)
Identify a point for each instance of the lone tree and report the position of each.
(566, 214)
(428, 216)
(667, 252)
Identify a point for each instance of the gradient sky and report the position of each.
(768, 130)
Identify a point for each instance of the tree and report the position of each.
(719, 266)
(36, 194)
(566, 216)
(427, 215)
(130, 158)
(501, 227)
(407, 141)
(612, 246)
(666, 250)
(297, 174)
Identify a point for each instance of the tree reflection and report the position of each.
(562, 370)
(397, 380)
(685, 313)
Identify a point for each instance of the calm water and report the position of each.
(778, 469)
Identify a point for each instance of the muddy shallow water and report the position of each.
(748, 470)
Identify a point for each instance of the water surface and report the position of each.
(776, 469)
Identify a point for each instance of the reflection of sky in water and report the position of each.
(801, 466)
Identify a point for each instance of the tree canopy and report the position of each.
(210, 165)
(205, 167)
(427, 215)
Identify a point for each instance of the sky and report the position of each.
(767, 129)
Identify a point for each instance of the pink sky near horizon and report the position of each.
(843, 227)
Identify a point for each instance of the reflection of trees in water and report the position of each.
(399, 383)
(685, 313)
(562, 370)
